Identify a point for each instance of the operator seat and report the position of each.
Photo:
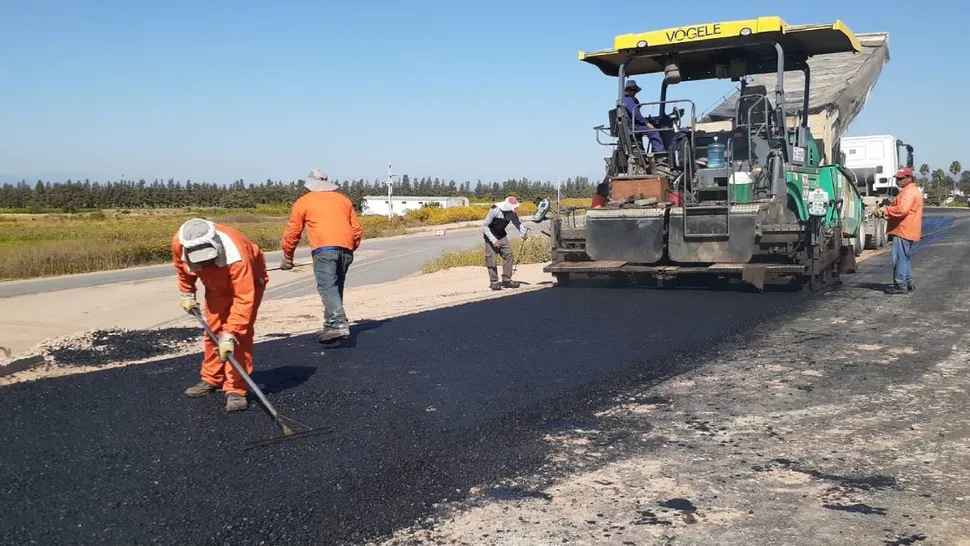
(625, 133)
(754, 118)
(754, 107)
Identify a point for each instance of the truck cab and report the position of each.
(874, 159)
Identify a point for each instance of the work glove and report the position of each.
(286, 263)
(227, 343)
(189, 304)
(879, 213)
(525, 235)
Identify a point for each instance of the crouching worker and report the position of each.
(499, 216)
(233, 271)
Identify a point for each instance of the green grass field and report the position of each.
(36, 245)
(33, 245)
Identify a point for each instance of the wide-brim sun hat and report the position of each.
(317, 180)
(198, 238)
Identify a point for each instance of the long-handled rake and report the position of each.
(288, 433)
(276, 267)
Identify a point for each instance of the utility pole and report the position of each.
(390, 194)
(558, 192)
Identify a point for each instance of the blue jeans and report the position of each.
(330, 268)
(902, 268)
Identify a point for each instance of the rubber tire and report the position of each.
(859, 242)
(562, 279)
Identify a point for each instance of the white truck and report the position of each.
(874, 160)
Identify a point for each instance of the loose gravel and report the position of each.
(101, 348)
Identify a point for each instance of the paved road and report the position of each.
(396, 257)
(422, 407)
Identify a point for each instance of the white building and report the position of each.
(377, 204)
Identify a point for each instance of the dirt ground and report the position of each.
(132, 323)
(27, 321)
(36, 340)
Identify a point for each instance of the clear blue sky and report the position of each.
(220, 90)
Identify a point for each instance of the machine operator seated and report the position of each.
(641, 125)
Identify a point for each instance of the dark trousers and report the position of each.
(491, 260)
(330, 268)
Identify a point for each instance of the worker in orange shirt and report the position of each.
(335, 233)
(233, 271)
(602, 195)
(904, 222)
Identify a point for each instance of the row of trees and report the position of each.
(938, 184)
(72, 196)
(69, 196)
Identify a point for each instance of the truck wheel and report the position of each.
(872, 234)
(881, 230)
(562, 279)
(859, 242)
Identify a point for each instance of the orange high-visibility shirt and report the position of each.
(904, 217)
(329, 219)
(599, 201)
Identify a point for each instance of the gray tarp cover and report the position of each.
(840, 81)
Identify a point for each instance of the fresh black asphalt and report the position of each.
(422, 408)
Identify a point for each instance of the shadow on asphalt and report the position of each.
(876, 286)
(283, 378)
(363, 326)
(645, 282)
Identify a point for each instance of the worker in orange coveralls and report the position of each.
(233, 271)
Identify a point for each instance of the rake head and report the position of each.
(288, 434)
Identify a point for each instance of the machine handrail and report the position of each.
(604, 129)
(763, 125)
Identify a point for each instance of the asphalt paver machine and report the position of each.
(750, 200)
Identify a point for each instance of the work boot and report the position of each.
(911, 287)
(236, 402)
(511, 284)
(495, 286)
(202, 389)
(331, 334)
(896, 289)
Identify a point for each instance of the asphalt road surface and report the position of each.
(399, 257)
(421, 408)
